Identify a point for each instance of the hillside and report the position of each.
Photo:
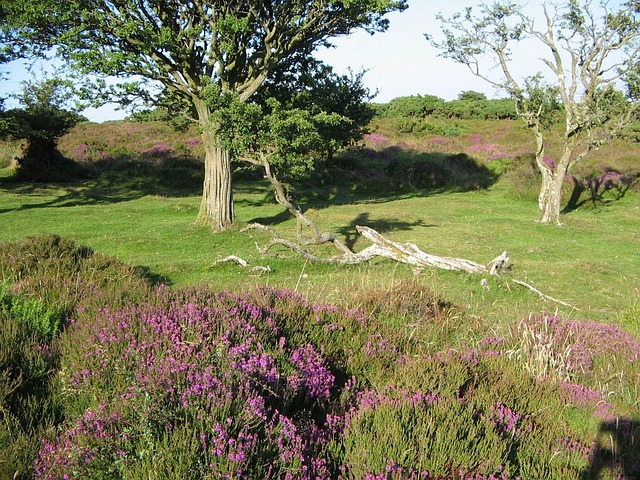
(128, 352)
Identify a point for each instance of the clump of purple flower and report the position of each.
(216, 363)
(376, 141)
(584, 341)
(158, 151)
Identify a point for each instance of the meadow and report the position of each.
(126, 353)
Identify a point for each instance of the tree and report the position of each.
(591, 52)
(308, 84)
(44, 117)
(181, 48)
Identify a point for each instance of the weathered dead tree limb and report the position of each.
(542, 295)
(241, 262)
(318, 238)
(409, 253)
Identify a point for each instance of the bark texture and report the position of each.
(216, 206)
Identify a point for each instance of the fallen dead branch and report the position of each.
(381, 246)
(241, 262)
(407, 253)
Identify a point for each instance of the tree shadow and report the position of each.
(154, 278)
(114, 180)
(597, 190)
(370, 176)
(381, 225)
(616, 449)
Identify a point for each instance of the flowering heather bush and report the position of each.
(262, 399)
(376, 141)
(586, 397)
(81, 152)
(550, 162)
(193, 142)
(567, 349)
(158, 151)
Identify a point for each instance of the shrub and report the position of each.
(246, 380)
(44, 321)
(64, 276)
(28, 361)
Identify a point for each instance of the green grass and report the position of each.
(591, 262)
(130, 213)
(432, 332)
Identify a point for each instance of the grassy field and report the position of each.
(591, 262)
(371, 371)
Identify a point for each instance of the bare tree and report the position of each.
(592, 51)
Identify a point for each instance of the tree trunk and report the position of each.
(550, 198)
(216, 207)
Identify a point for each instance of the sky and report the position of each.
(399, 62)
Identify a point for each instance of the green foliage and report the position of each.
(414, 106)
(45, 321)
(540, 102)
(43, 118)
(28, 360)
(432, 115)
(41, 121)
(97, 39)
(287, 138)
(307, 84)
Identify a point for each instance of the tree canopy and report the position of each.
(45, 115)
(177, 49)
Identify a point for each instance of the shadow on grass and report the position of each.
(351, 235)
(152, 277)
(617, 450)
(357, 175)
(115, 180)
(380, 176)
(598, 190)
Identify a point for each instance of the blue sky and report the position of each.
(399, 62)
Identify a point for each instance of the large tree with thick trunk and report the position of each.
(589, 52)
(182, 50)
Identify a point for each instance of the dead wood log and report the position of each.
(408, 253)
(243, 263)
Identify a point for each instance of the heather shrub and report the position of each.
(46, 279)
(262, 398)
(28, 361)
(562, 349)
(60, 276)
(421, 433)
